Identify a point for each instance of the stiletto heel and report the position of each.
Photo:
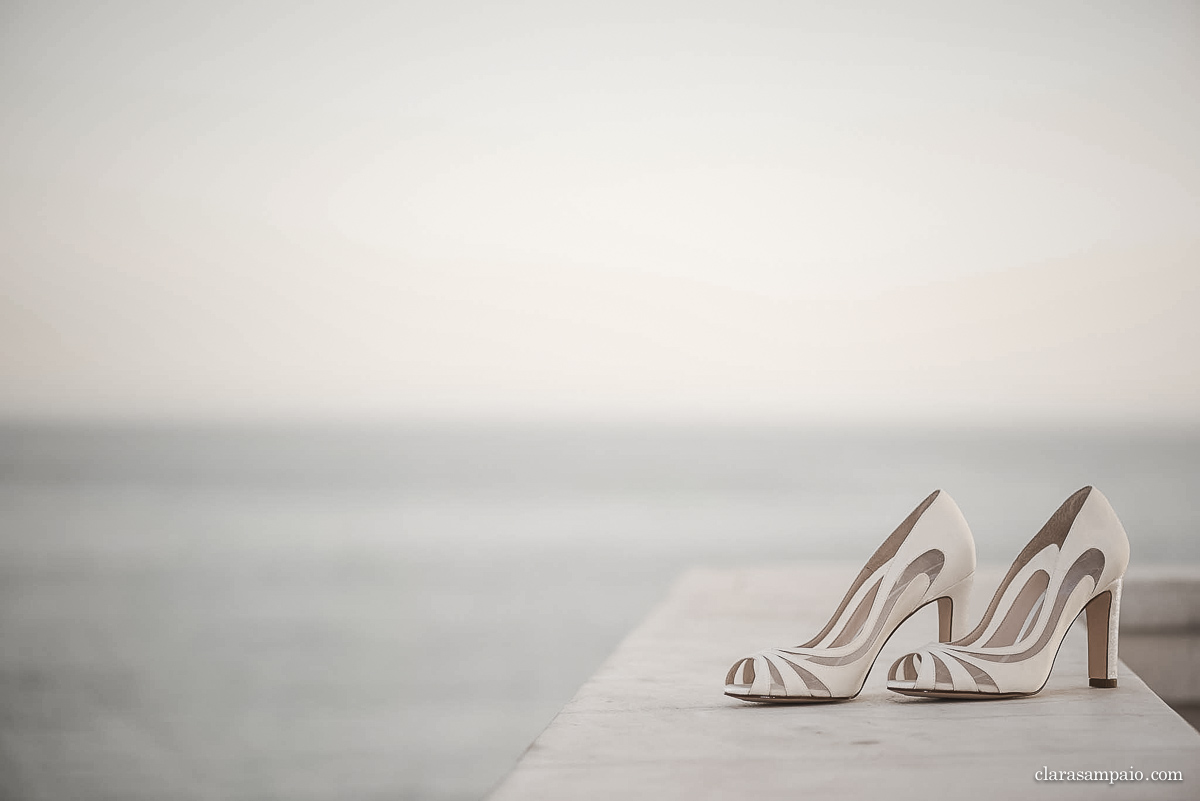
(1075, 562)
(929, 557)
(1103, 618)
(953, 608)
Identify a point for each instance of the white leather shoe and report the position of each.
(930, 557)
(1074, 563)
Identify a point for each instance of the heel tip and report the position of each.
(1106, 683)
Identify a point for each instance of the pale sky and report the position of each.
(710, 210)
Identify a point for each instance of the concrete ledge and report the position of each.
(1160, 630)
(1168, 663)
(653, 722)
(1160, 598)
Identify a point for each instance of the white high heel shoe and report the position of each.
(930, 557)
(1074, 563)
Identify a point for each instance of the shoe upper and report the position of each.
(931, 551)
(1080, 553)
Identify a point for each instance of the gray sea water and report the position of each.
(338, 613)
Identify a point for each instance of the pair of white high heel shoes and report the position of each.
(1074, 563)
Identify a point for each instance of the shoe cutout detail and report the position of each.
(1075, 563)
(930, 556)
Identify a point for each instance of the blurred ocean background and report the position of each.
(243, 612)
